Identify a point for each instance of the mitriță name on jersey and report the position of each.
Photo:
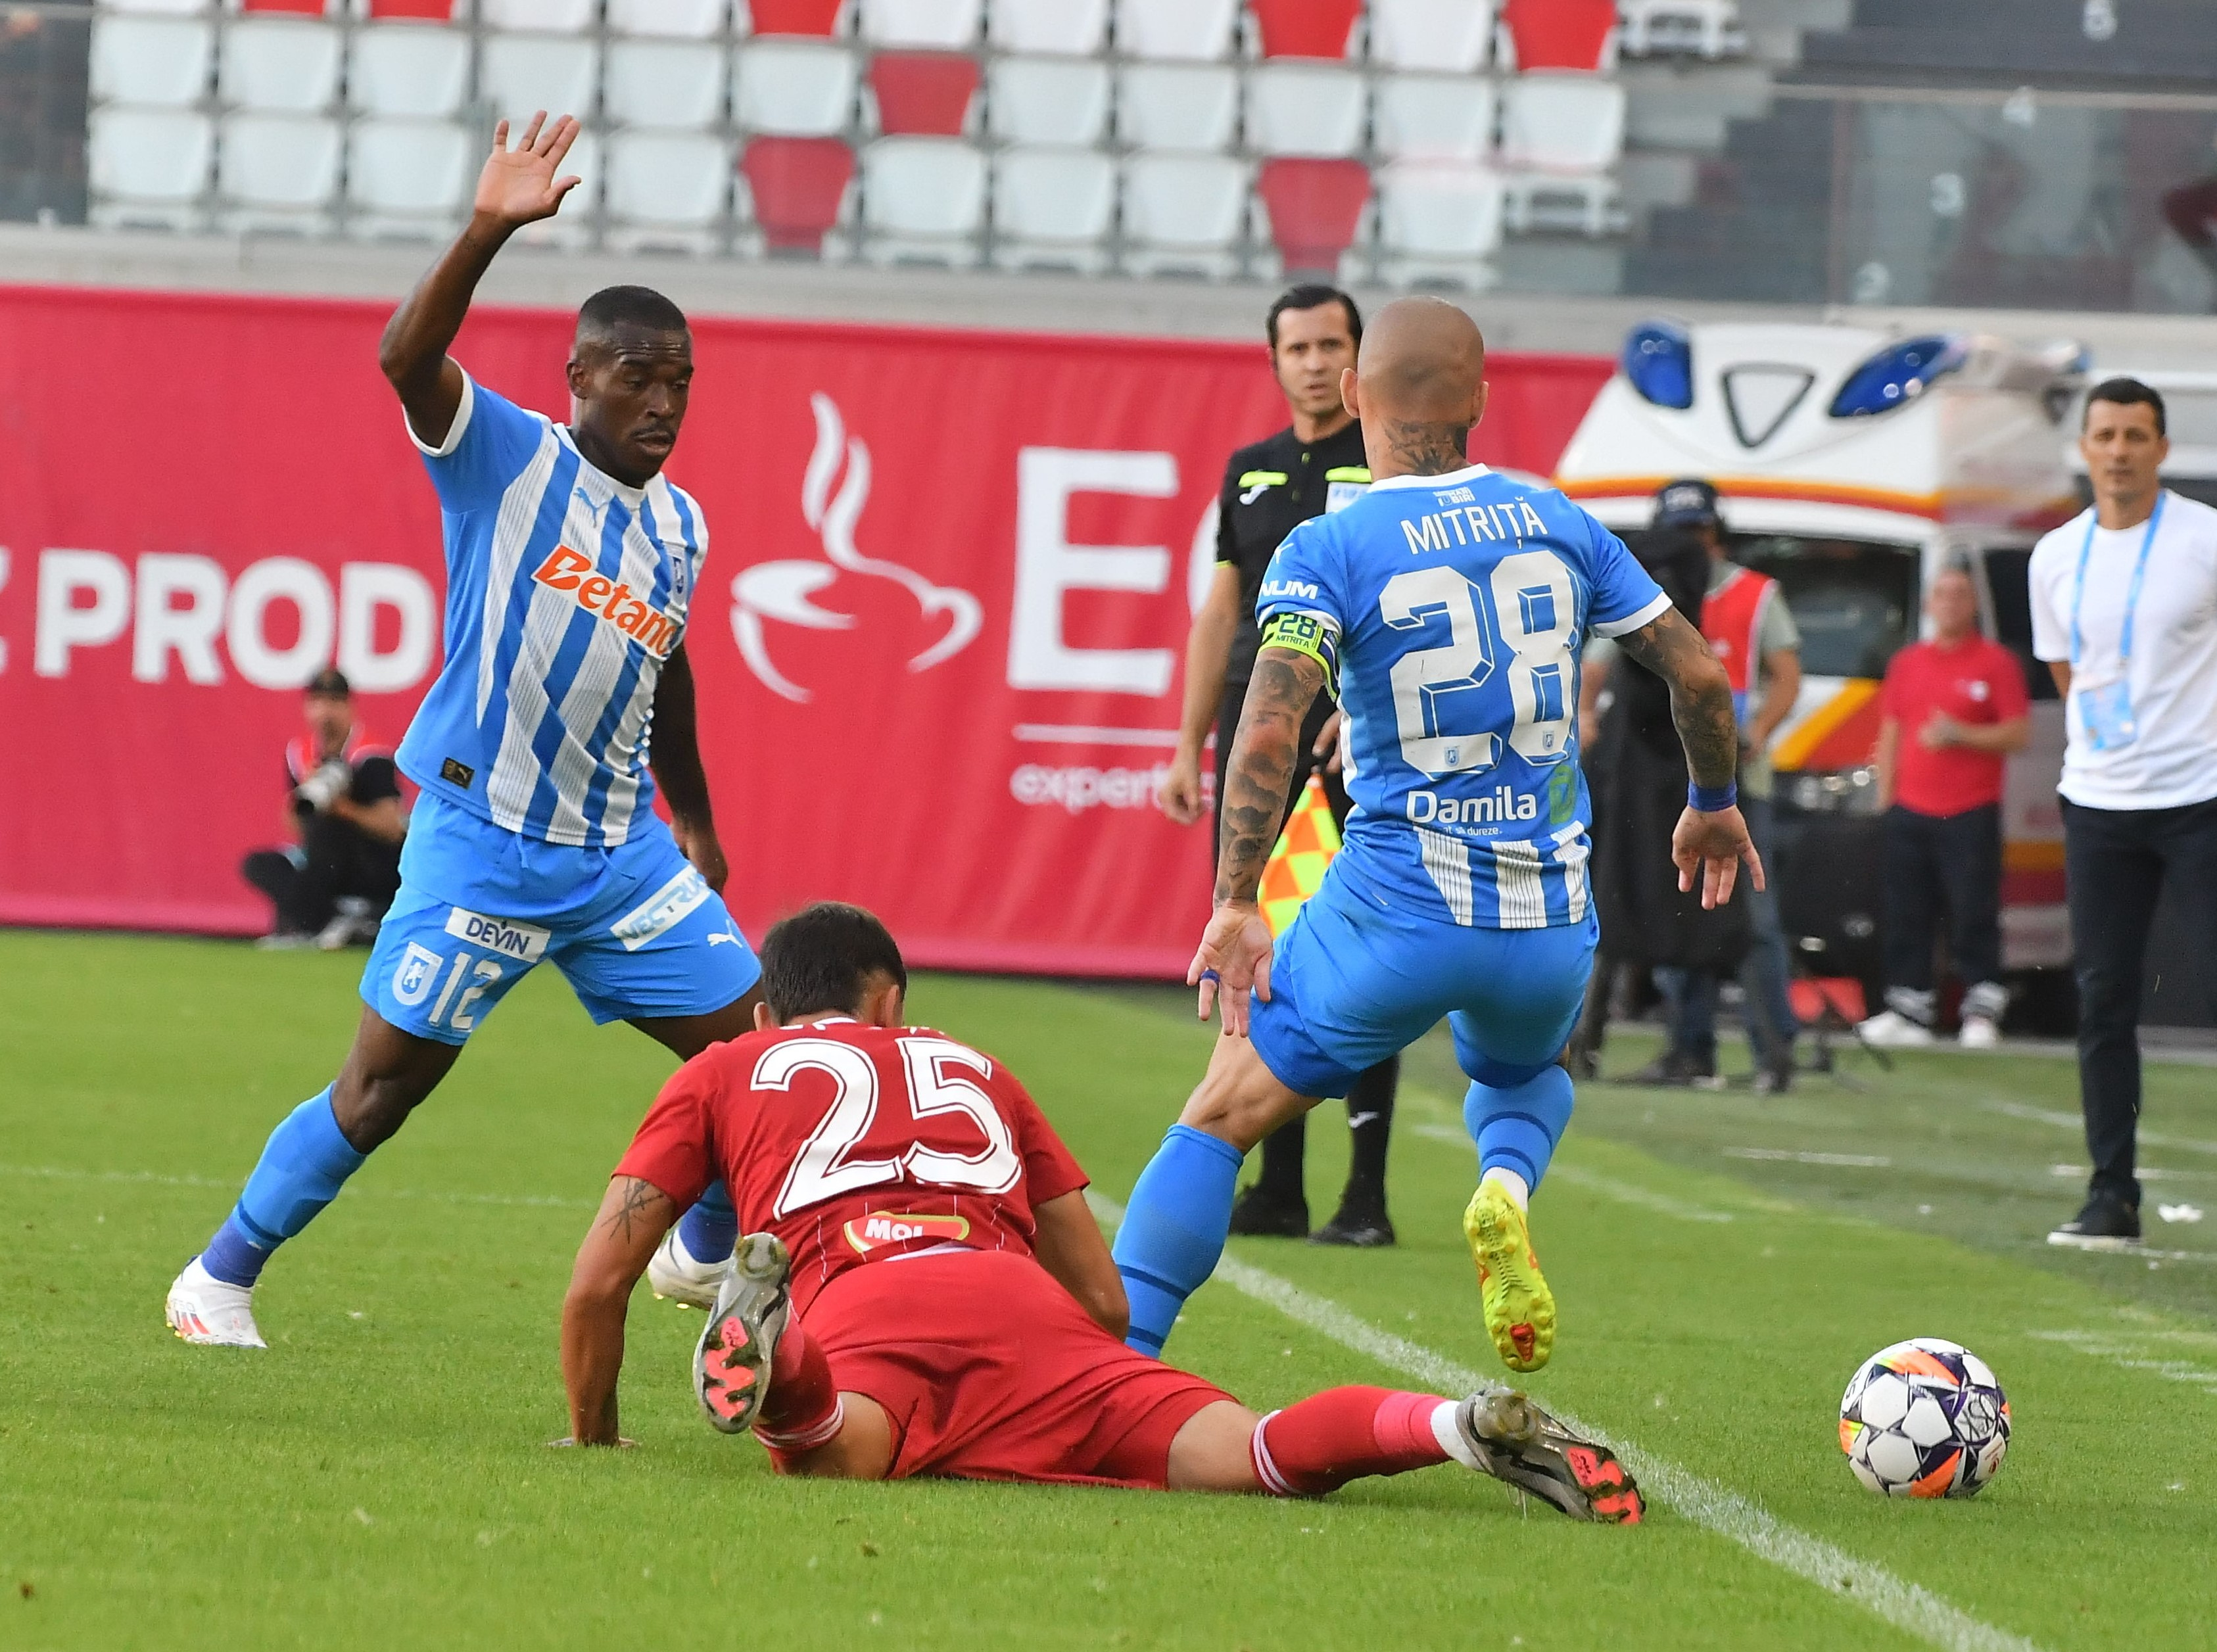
(1472, 524)
(607, 599)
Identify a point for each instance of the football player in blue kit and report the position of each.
(1448, 608)
(571, 562)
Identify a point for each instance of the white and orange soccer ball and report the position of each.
(1924, 1418)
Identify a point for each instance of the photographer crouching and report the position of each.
(332, 884)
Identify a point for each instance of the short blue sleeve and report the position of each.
(1304, 576)
(488, 444)
(1625, 595)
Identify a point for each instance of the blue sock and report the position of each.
(711, 1229)
(1517, 1124)
(1174, 1231)
(302, 1168)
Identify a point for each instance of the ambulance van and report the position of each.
(1854, 465)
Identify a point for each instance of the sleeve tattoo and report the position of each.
(1701, 696)
(637, 1205)
(1264, 755)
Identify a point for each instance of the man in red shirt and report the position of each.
(922, 1289)
(1955, 707)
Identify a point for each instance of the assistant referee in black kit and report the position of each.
(1314, 465)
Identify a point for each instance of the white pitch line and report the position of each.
(2071, 1121)
(1624, 1192)
(2126, 1354)
(1906, 1605)
(533, 1201)
(1842, 1160)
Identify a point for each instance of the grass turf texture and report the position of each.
(379, 1477)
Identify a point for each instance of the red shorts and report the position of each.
(990, 1370)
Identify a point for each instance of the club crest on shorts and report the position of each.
(413, 975)
(523, 941)
(877, 1229)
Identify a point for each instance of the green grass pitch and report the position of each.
(379, 1477)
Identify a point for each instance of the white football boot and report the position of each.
(1891, 1030)
(204, 1309)
(674, 1276)
(1979, 1032)
(730, 1366)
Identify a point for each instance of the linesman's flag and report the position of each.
(1295, 869)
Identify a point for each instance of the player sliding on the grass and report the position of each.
(923, 1291)
(571, 564)
(1448, 608)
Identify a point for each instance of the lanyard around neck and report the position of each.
(2132, 592)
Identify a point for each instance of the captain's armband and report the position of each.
(1309, 634)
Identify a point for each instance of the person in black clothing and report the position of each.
(1314, 465)
(342, 801)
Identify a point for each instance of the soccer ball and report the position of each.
(1924, 1418)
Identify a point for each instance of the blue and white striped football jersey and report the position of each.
(1454, 609)
(566, 591)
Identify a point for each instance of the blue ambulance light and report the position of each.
(1896, 375)
(1658, 361)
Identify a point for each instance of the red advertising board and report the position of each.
(938, 640)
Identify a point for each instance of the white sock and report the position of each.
(1511, 1183)
(1450, 1438)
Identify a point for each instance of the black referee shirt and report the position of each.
(1270, 490)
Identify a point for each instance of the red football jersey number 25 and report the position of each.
(825, 1170)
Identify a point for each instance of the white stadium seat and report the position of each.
(1304, 108)
(277, 171)
(409, 177)
(1710, 28)
(929, 25)
(670, 83)
(150, 60)
(1052, 208)
(148, 166)
(282, 64)
(666, 189)
(1047, 100)
(1437, 221)
(1184, 213)
(1073, 28)
(923, 198)
(545, 17)
(406, 68)
(572, 227)
(1560, 135)
(160, 8)
(679, 20)
(1451, 37)
(1434, 118)
(793, 88)
(1176, 106)
(521, 73)
(1185, 29)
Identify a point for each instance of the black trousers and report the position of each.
(1942, 869)
(2119, 863)
(336, 857)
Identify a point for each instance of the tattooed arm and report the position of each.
(1236, 947)
(632, 1218)
(1705, 845)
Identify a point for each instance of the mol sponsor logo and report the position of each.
(610, 600)
(876, 1229)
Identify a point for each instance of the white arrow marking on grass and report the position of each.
(1906, 1605)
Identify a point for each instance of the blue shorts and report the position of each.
(634, 929)
(1352, 982)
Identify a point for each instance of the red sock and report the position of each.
(1319, 1444)
(802, 1408)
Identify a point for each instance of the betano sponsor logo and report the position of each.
(607, 599)
(1503, 803)
(878, 1228)
(1473, 524)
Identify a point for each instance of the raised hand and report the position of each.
(1233, 959)
(519, 186)
(1711, 848)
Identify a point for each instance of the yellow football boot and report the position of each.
(1520, 1310)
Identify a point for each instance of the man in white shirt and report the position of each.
(2124, 611)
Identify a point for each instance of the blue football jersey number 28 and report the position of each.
(1525, 625)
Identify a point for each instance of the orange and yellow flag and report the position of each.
(1296, 867)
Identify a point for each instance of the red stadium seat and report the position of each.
(799, 184)
(1560, 34)
(924, 94)
(795, 16)
(1306, 28)
(434, 11)
(1315, 206)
